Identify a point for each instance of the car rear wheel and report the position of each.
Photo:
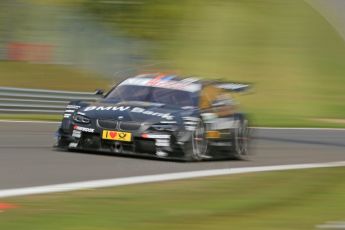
(240, 141)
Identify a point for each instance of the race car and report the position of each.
(160, 115)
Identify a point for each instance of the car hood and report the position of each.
(134, 111)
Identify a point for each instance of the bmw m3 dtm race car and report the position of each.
(160, 115)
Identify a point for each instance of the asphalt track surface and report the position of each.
(28, 159)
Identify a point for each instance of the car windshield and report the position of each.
(153, 94)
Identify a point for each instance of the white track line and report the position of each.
(156, 178)
(332, 225)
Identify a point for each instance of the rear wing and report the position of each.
(233, 87)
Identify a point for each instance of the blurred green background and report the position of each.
(293, 57)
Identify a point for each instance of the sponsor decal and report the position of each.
(107, 108)
(166, 116)
(116, 136)
(83, 129)
(76, 133)
(162, 143)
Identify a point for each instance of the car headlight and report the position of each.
(81, 119)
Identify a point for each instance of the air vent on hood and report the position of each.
(129, 125)
(108, 124)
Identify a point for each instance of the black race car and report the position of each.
(160, 115)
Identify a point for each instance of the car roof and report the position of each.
(168, 81)
(167, 76)
(191, 83)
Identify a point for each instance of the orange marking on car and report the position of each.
(155, 80)
(212, 134)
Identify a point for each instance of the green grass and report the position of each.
(298, 199)
(56, 77)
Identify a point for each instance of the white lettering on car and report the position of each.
(104, 108)
(166, 116)
(137, 110)
(114, 108)
(121, 108)
(76, 133)
(90, 108)
(84, 129)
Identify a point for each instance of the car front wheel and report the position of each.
(198, 146)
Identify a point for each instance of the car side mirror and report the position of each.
(99, 92)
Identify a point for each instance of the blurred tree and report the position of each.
(150, 19)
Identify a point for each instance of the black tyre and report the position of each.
(197, 148)
(240, 141)
(62, 143)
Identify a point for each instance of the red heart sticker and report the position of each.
(112, 134)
